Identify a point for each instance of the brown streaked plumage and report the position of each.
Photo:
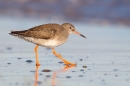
(48, 35)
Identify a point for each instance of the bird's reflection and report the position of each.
(36, 76)
(54, 74)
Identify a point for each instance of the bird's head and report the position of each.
(71, 29)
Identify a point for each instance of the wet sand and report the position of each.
(103, 59)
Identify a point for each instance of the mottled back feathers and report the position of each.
(45, 31)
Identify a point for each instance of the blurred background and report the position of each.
(80, 11)
(105, 52)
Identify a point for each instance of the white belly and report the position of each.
(50, 43)
(44, 42)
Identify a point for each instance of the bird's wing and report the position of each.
(45, 31)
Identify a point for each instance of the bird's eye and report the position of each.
(71, 28)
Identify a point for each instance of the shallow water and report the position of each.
(105, 53)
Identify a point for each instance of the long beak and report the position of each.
(79, 34)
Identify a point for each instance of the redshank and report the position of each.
(48, 35)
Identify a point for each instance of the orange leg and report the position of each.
(36, 49)
(60, 57)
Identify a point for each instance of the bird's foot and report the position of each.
(37, 64)
(69, 63)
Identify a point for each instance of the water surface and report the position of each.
(105, 53)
